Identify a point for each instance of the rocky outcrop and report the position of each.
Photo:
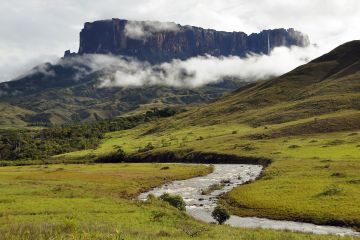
(158, 42)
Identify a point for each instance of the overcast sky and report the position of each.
(35, 31)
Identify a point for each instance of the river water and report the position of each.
(200, 206)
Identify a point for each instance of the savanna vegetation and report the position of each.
(308, 182)
(35, 144)
(306, 121)
(97, 202)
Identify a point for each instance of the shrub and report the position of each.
(294, 146)
(116, 157)
(330, 191)
(248, 147)
(151, 197)
(212, 188)
(335, 142)
(176, 201)
(220, 214)
(192, 230)
(147, 148)
(338, 174)
(354, 181)
(165, 112)
(157, 216)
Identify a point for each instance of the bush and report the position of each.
(165, 112)
(220, 214)
(212, 188)
(147, 148)
(248, 147)
(116, 157)
(176, 201)
(338, 174)
(151, 197)
(330, 191)
(294, 146)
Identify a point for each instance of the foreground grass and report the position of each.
(94, 202)
(312, 176)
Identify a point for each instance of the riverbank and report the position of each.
(84, 201)
(200, 205)
(309, 179)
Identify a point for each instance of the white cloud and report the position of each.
(41, 28)
(142, 30)
(194, 72)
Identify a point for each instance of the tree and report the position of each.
(176, 201)
(220, 214)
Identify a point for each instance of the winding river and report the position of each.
(200, 205)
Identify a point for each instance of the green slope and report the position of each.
(306, 122)
(325, 85)
(12, 116)
(62, 93)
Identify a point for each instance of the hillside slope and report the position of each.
(306, 122)
(325, 85)
(69, 92)
(71, 89)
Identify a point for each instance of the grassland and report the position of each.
(11, 116)
(307, 122)
(94, 202)
(311, 177)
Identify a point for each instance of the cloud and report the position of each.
(141, 30)
(194, 72)
(15, 64)
(34, 29)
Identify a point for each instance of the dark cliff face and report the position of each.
(158, 42)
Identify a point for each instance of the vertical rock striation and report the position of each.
(158, 42)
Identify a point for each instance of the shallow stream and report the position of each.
(200, 205)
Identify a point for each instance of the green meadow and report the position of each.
(98, 202)
(310, 178)
(306, 122)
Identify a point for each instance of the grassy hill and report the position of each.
(306, 122)
(12, 116)
(325, 85)
(68, 91)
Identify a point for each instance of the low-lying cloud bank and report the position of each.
(194, 72)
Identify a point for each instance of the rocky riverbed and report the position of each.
(201, 195)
